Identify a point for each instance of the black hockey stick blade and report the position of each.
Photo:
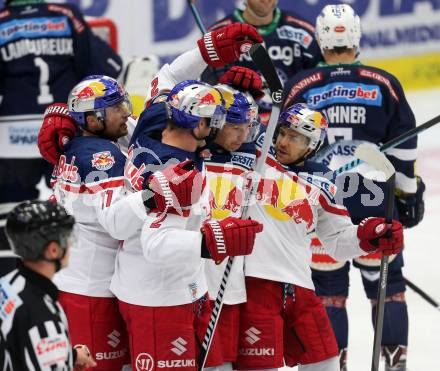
(422, 293)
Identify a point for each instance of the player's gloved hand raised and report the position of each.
(229, 237)
(175, 188)
(244, 79)
(411, 206)
(375, 236)
(224, 45)
(57, 129)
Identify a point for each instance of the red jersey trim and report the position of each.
(332, 209)
(92, 188)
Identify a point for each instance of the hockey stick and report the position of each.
(196, 15)
(422, 293)
(371, 155)
(262, 60)
(392, 143)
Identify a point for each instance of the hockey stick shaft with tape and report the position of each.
(196, 15)
(371, 155)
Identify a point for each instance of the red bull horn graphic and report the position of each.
(208, 99)
(225, 196)
(94, 89)
(285, 200)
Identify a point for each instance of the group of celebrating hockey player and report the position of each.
(158, 202)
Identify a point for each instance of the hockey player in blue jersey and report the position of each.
(362, 103)
(288, 38)
(45, 49)
(229, 153)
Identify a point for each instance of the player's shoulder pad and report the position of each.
(320, 176)
(72, 12)
(152, 118)
(384, 78)
(301, 82)
(297, 21)
(97, 154)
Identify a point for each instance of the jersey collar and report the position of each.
(36, 279)
(323, 64)
(262, 30)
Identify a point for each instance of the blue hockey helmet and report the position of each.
(190, 100)
(240, 109)
(95, 93)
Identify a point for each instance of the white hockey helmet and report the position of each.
(190, 100)
(308, 122)
(338, 26)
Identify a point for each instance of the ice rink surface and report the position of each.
(422, 261)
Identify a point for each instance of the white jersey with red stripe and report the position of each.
(160, 264)
(293, 203)
(226, 182)
(88, 179)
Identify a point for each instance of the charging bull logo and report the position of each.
(225, 197)
(94, 89)
(284, 200)
(103, 160)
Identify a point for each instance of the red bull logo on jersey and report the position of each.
(284, 200)
(103, 160)
(225, 197)
(344, 92)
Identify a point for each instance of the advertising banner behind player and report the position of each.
(402, 37)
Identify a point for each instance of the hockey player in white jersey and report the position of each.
(88, 177)
(283, 320)
(89, 180)
(227, 158)
(162, 287)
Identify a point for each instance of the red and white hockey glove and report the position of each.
(175, 188)
(375, 236)
(57, 129)
(229, 237)
(244, 79)
(224, 45)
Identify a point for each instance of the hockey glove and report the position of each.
(229, 237)
(411, 206)
(244, 79)
(57, 129)
(375, 236)
(175, 188)
(224, 45)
